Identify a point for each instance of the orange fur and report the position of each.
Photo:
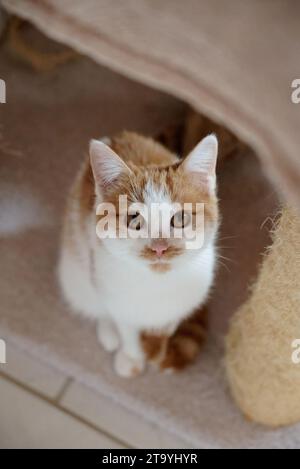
(150, 161)
(181, 349)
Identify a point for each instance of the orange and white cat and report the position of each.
(134, 286)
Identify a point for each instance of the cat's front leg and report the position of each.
(108, 335)
(130, 358)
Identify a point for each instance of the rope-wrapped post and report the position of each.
(260, 359)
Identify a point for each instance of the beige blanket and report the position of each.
(233, 60)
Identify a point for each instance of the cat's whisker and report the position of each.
(228, 237)
(223, 265)
(219, 256)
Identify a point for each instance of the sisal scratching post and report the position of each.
(263, 378)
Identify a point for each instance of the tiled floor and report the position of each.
(28, 421)
(41, 408)
(31, 415)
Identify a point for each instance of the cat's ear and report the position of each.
(202, 161)
(107, 166)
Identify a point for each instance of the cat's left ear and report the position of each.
(202, 161)
(107, 166)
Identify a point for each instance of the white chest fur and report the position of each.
(150, 300)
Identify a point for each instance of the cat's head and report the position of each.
(166, 213)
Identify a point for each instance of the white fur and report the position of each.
(132, 296)
(119, 289)
(106, 164)
(203, 159)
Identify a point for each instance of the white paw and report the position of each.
(108, 335)
(126, 366)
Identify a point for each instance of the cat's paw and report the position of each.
(128, 367)
(108, 335)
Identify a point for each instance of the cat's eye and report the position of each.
(180, 219)
(135, 221)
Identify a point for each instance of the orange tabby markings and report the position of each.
(149, 283)
(182, 348)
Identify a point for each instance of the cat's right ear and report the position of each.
(107, 166)
(202, 160)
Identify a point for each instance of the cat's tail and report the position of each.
(176, 352)
(185, 344)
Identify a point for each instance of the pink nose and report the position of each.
(159, 247)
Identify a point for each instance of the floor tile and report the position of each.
(30, 371)
(114, 418)
(27, 421)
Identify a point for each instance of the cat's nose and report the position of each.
(159, 247)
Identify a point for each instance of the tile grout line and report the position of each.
(57, 405)
(64, 387)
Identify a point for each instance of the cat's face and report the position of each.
(167, 213)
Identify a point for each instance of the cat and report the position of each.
(141, 290)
